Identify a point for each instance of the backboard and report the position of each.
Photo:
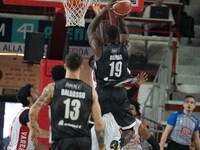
(137, 5)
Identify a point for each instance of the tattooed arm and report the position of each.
(98, 122)
(43, 100)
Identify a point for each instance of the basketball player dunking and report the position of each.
(111, 71)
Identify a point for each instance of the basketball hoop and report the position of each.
(75, 11)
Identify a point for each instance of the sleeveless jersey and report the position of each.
(19, 135)
(70, 109)
(134, 143)
(112, 68)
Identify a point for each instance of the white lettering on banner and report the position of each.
(26, 27)
(12, 48)
(2, 29)
(86, 52)
(6, 47)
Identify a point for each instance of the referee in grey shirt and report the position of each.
(183, 126)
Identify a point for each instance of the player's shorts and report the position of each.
(76, 143)
(115, 100)
(111, 132)
(174, 145)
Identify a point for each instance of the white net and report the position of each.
(75, 11)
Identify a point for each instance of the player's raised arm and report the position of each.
(124, 33)
(94, 41)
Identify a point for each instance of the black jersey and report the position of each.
(70, 109)
(112, 68)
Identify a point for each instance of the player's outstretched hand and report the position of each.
(141, 78)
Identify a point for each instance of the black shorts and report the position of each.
(172, 145)
(78, 143)
(115, 100)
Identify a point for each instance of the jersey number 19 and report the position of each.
(116, 69)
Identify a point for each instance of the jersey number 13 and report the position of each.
(72, 108)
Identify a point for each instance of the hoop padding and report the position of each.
(75, 12)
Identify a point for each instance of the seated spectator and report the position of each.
(156, 26)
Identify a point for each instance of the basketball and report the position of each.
(123, 7)
(74, 2)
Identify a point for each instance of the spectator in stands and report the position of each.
(156, 26)
(184, 126)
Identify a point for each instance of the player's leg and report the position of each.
(122, 114)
